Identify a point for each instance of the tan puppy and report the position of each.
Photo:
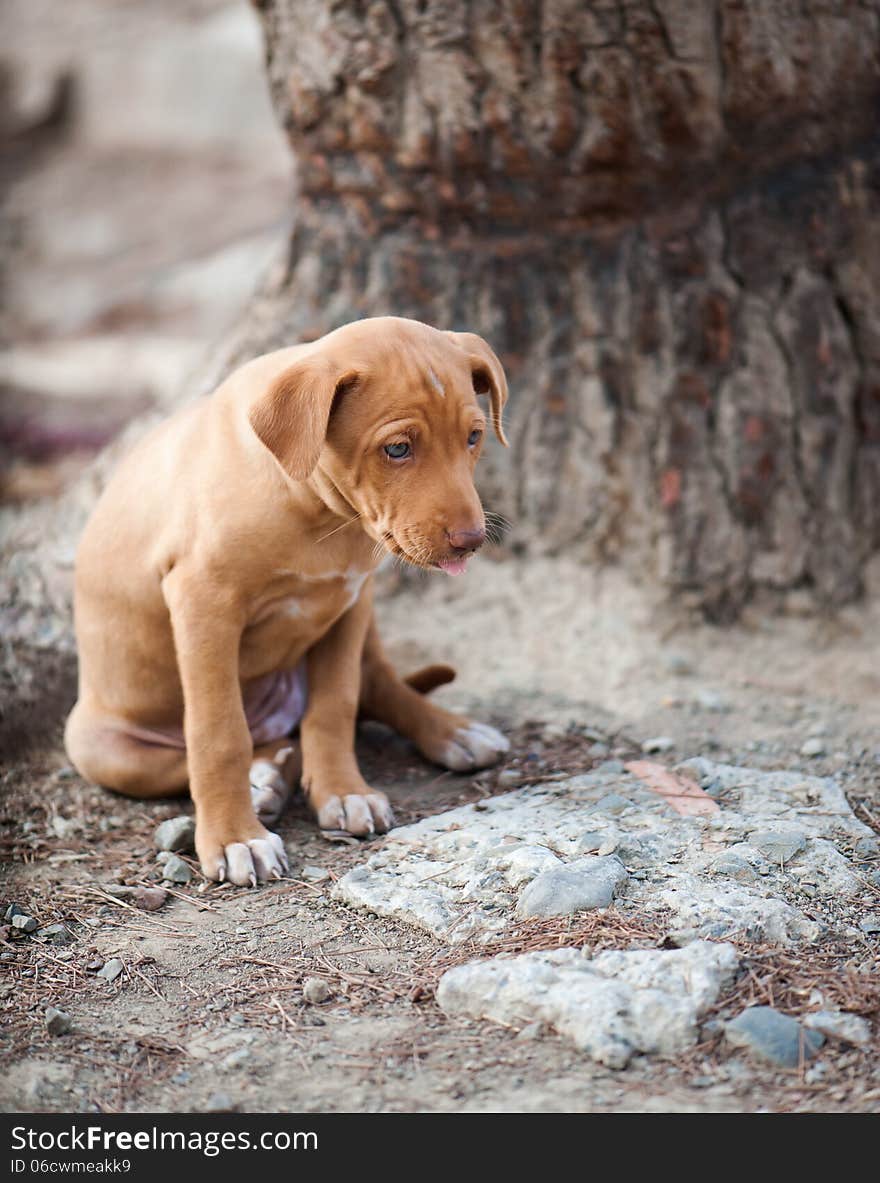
(223, 590)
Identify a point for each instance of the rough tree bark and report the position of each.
(665, 215)
(666, 218)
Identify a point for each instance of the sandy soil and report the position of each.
(209, 1012)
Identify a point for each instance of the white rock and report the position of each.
(611, 1008)
(463, 874)
(840, 1025)
(659, 743)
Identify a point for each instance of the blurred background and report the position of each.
(664, 217)
(146, 186)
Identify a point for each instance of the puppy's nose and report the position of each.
(466, 541)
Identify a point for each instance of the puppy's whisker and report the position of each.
(338, 528)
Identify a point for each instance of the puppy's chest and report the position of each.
(302, 607)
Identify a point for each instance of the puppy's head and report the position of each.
(387, 413)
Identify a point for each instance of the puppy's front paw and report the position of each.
(356, 813)
(471, 746)
(245, 863)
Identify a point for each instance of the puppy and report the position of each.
(223, 590)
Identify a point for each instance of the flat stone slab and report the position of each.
(777, 843)
(611, 1006)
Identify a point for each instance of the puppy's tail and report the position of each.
(428, 679)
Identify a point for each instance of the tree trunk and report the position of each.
(665, 216)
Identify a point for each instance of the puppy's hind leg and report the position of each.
(447, 739)
(102, 752)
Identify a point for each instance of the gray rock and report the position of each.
(57, 1022)
(590, 842)
(58, 934)
(611, 768)
(599, 751)
(176, 870)
(779, 845)
(177, 833)
(773, 1036)
(111, 969)
(583, 884)
(733, 866)
(162, 857)
(612, 803)
(316, 991)
(24, 923)
(659, 743)
(237, 1059)
(678, 664)
(219, 1103)
(12, 910)
(840, 1025)
(314, 874)
(869, 923)
(813, 747)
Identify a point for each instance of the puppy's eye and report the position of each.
(475, 437)
(398, 451)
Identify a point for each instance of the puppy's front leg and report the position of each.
(331, 779)
(230, 842)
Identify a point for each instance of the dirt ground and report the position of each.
(209, 1011)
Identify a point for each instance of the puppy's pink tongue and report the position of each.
(453, 566)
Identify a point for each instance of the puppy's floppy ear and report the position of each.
(488, 376)
(292, 417)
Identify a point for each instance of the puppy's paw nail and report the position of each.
(240, 865)
(383, 815)
(266, 858)
(331, 815)
(358, 818)
(280, 852)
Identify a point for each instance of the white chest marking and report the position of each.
(354, 581)
(292, 608)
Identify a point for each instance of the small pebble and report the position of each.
(869, 923)
(58, 934)
(312, 874)
(678, 664)
(150, 899)
(177, 833)
(813, 747)
(316, 991)
(660, 743)
(509, 776)
(773, 1036)
(236, 1059)
(852, 1029)
(176, 871)
(24, 923)
(612, 767)
(57, 1022)
(111, 969)
(532, 1031)
(219, 1103)
(12, 910)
